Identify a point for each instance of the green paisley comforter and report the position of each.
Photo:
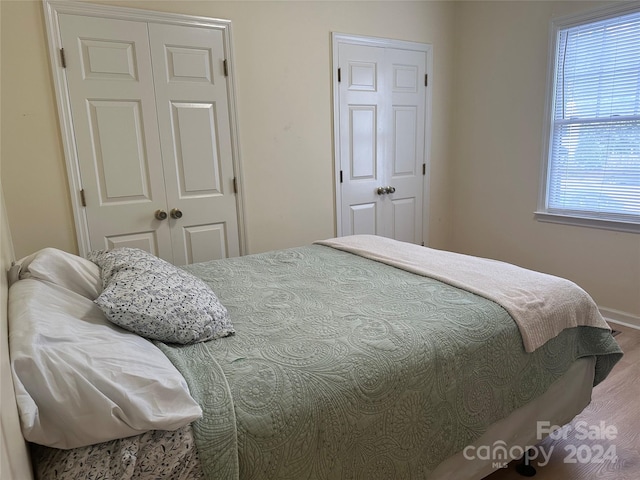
(346, 368)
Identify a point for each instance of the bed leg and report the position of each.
(525, 469)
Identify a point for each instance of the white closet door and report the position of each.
(362, 139)
(404, 154)
(381, 136)
(193, 116)
(109, 77)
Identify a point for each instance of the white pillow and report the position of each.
(81, 380)
(65, 269)
(157, 300)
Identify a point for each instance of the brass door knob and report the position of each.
(160, 215)
(391, 189)
(176, 213)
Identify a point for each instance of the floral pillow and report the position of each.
(157, 300)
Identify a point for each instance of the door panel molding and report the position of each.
(125, 174)
(143, 240)
(209, 239)
(192, 70)
(361, 75)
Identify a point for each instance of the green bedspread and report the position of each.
(345, 368)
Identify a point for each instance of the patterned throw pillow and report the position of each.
(157, 300)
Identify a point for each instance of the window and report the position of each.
(592, 174)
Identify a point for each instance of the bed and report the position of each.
(358, 357)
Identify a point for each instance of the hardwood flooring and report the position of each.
(616, 402)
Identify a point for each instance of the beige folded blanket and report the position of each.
(541, 305)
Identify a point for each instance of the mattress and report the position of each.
(343, 367)
(163, 454)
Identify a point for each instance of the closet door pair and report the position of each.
(151, 126)
(381, 116)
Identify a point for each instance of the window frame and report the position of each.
(542, 212)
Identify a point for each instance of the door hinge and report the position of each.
(235, 185)
(340, 176)
(426, 80)
(424, 169)
(225, 66)
(339, 76)
(63, 60)
(83, 199)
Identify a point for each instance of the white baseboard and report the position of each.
(621, 318)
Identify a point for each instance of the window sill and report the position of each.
(615, 225)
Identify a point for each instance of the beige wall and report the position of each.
(14, 459)
(33, 172)
(490, 61)
(282, 59)
(500, 88)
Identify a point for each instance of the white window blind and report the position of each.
(594, 155)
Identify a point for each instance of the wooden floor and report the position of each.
(616, 402)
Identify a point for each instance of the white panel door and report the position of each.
(193, 114)
(362, 139)
(109, 76)
(152, 131)
(381, 132)
(404, 155)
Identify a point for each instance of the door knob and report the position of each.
(176, 213)
(385, 190)
(160, 214)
